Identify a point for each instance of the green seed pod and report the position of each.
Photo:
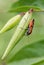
(12, 22)
(19, 33)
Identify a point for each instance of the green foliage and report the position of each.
(25, 5)
(30, 49)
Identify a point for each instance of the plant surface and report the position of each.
(30, 49)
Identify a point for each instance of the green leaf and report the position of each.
(25, 8)
(25, 5)
(32, 54)
(26, 61)
(39, 63)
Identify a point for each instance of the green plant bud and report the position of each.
(19, 33)
(12, 22)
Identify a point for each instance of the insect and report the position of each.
(30, 27)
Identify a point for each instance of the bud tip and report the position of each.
(23, 13)
(31, 10)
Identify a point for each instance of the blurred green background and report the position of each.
(30, 49)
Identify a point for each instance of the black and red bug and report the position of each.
(30, 27)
